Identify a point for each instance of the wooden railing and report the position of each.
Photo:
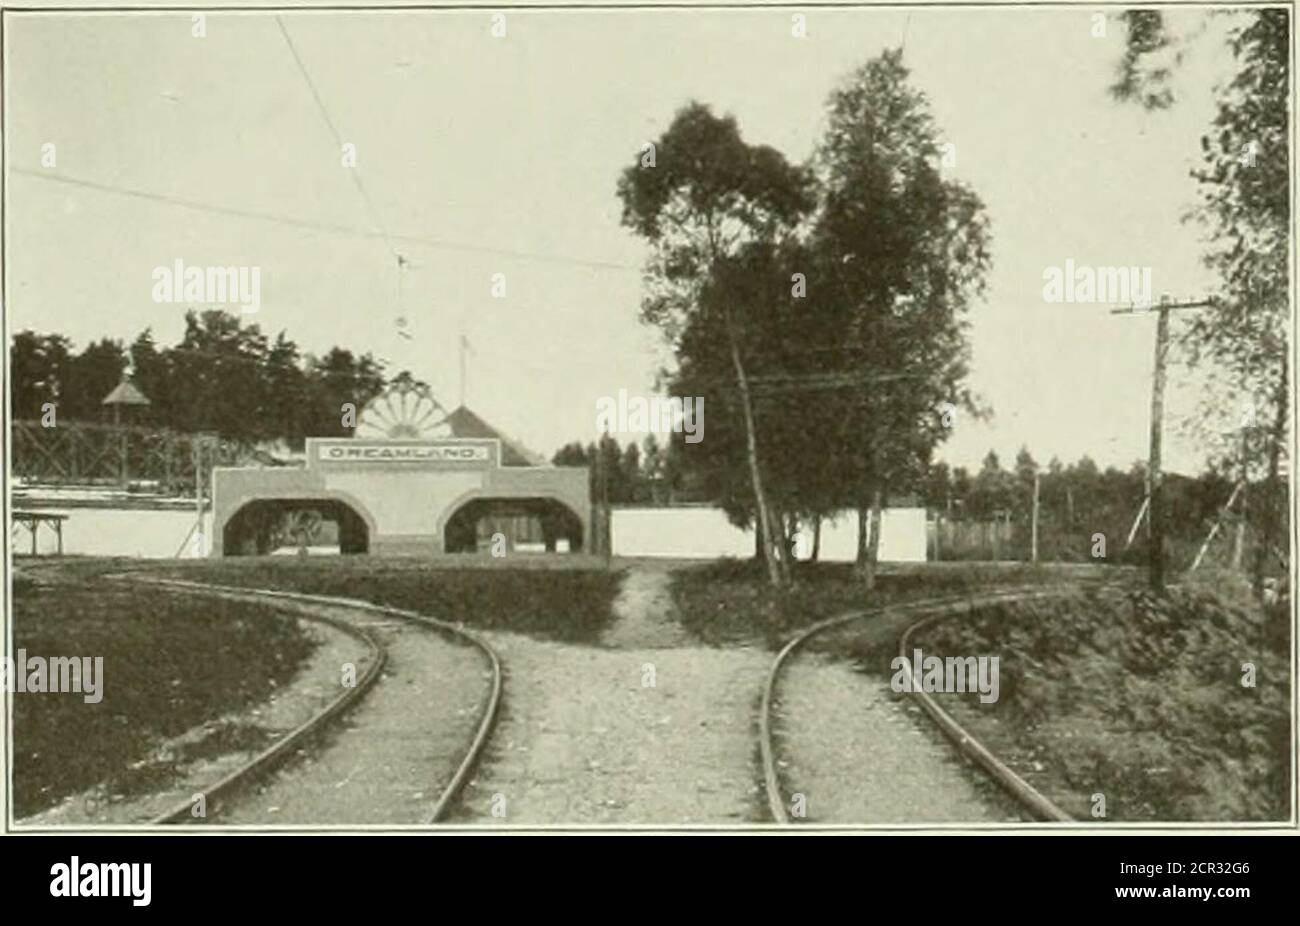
(86, 453)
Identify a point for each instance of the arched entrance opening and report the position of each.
(524, 524)
(295, 525)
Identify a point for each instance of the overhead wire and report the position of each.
(353, 171)
(310, 225)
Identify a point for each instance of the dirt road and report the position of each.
(648, 727)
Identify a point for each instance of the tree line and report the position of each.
(648, 473)
(1080, 503)
(222, 376)
(1076, 501)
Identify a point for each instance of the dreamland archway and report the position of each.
(540, 524)
(409, 490)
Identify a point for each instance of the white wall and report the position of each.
(116, 532)
(705, 533)
(678, 532)
(688, 533)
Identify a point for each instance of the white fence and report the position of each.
(686, 533)
(117, 532)
(705, 533)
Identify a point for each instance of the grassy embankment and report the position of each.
(539, 597)
(1138, 699)
(729, 601)
(171, 662)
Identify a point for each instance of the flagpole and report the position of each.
(462, 368)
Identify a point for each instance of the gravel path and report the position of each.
(644, 612)
(586, 739)
(391, 756)
(861, 755)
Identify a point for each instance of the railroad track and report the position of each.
(928, 612)
(284, 747)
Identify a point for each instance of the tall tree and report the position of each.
(652, 468)
(37, 364)
(285, 392)
(151, 373)
(571, 454)
(788, 418)
(337, 378)
(611, 485)
(1023, 491)
(217, 386)
(902, 251)
(630, 470)
(700, 197)
(92, 375)
(1244, 188)
(937, 490)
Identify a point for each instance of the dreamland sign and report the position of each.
(354, 451)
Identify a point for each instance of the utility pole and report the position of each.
(602, 526)
(609, 521)
(1033, 533)
(197, 448)
(1240, 542)
(1155, 514)
(1146, 485)
(597, 527)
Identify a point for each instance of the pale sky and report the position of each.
(501, 155)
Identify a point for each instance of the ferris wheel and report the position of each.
(404, 412)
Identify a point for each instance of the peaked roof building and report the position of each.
(125, 393)
(464, 423)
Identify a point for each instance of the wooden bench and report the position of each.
(32, 520)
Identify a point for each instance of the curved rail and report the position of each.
(277, 752)
(1028, 796)
(264, 760)
(1021, 790)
